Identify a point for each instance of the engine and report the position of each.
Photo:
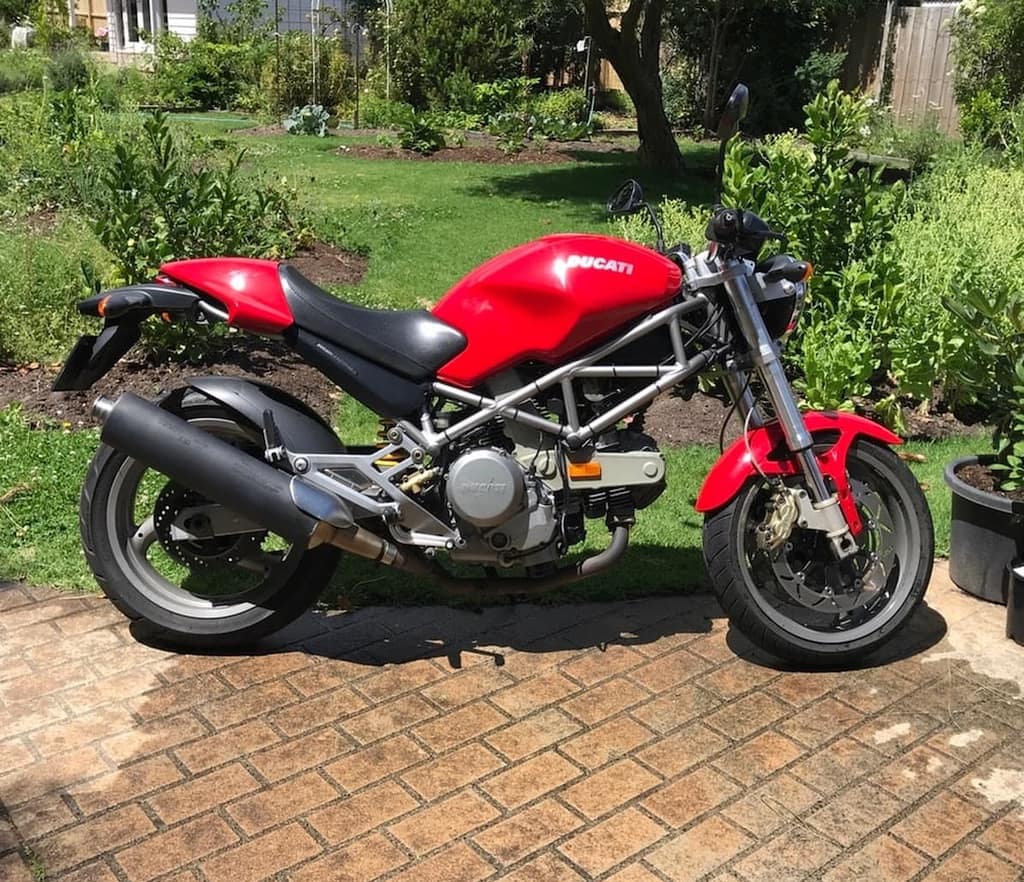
(502, 510)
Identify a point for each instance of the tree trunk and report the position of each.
(635, 58)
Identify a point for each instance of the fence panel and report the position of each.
(922, 65)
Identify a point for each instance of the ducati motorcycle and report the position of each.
(512, 422)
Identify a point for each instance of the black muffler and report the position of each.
(220, 472)
(282, 503)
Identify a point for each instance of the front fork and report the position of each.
(825, 512)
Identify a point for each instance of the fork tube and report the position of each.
(766, 356)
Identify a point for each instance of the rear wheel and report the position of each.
(797, 601)
(187, 570)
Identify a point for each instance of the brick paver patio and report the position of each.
(632, 742)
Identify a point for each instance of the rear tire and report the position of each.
(147, 591)
(756, 606)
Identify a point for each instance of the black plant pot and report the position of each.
(986, 535)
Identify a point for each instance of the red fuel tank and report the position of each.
(546, 300)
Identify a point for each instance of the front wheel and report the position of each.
(187, 571)
(797, 602)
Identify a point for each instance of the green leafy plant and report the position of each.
(309, 120)
(988, 48)
(556, 128)
(287, 75)
(993, 315)
(159, 201)
(512, 131)
(22, 69)
(68, 69)
(421, 136)
(377, 113)
(569, 105)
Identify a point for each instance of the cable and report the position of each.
(746, 442)
(732, 410)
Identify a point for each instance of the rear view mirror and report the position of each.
(628, 199)
(735, 111)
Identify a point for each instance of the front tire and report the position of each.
(773, 599)
(215, 593)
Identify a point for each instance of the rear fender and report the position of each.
(302, 429)
(766, 446)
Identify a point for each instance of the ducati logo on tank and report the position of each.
(588, 261)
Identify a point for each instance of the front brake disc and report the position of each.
(810, 575)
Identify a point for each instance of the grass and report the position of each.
(426, 224)
(423, 225)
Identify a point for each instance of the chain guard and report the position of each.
(215, 550)
(810, 575)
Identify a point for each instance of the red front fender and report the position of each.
(767, 447)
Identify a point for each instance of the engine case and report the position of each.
(486, 487)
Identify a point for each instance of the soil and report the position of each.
(328, 265)
(266, 360)
(482, 153)
(982, 478)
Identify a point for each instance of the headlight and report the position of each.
(781, 304)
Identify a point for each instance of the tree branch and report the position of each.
(631, 17)
(650, 35)
(604, 34)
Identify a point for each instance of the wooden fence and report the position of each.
(908, 49)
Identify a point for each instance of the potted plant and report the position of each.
(987, 529)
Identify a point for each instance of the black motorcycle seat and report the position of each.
(413, 343)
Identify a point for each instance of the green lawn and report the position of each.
(426, 224)
(423, 225)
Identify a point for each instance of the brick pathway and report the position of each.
(632, 742)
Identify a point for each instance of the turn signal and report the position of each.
(101, 307)
(808, 273)
(584, 471)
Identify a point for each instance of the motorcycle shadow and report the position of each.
(925, 629)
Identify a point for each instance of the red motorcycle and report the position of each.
(512, 417)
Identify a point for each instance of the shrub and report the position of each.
(287, 76)
(965, 194)
(565, 104)
(454, 120)
(204, 74)
(617, 102)
(22, 69)
(309, 120)
(988, 48)
(512, 131)
(491, 99)
(420, 135)
(992, 314)
(161, 202)
(681, 89)
(556, 128)
(68, 69)
(433, 41)
(840, 219)
(377, 113)
(680, 222)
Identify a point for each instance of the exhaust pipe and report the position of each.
(284, 504)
